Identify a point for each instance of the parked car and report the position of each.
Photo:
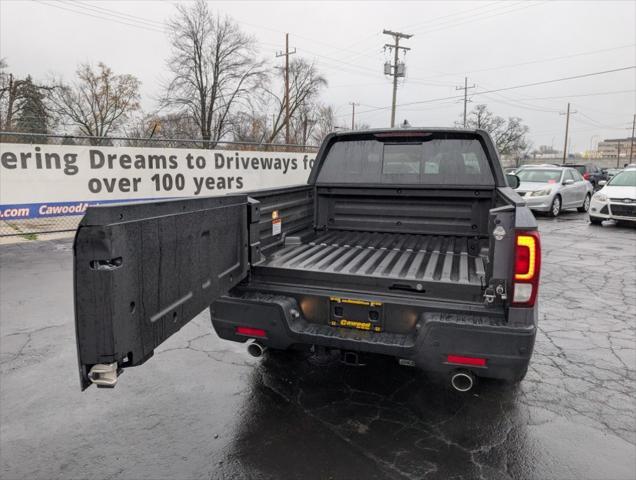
(553, 189)
(610, 172)
(616, 200)
(590, 172)
(407, 243)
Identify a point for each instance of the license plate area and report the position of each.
(357, 314)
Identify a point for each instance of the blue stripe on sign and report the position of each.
(20, 211)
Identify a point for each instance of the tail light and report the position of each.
(462, 360)
(251, 332)
(527, 268)
(586, 176)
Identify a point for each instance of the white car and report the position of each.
(616, 200)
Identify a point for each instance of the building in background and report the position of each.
(546, 152)
(615, 148)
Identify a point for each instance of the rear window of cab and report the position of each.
(438, 161)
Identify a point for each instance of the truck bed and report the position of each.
(399, 260)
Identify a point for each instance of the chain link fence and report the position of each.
(12, 226)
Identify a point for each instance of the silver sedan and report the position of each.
(553, 189)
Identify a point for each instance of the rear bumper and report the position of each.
(506, 348)
(540, 204)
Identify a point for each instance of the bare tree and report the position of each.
(98, 103)
(510, 135)
(171, 126)
(305, 83)
(250, 126)
(213, 69)
(325, 123)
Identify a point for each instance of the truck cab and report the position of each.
(408, 243)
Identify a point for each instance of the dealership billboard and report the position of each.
(59, 180)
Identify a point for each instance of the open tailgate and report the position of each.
(144, 270)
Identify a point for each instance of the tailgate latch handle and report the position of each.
(110, 264)
(494, 290)
(104, 374)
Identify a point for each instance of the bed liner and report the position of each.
(404, 257)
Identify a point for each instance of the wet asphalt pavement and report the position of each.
(201, 408)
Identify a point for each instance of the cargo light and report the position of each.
(251, 332)
(461, 360)
(527, 266)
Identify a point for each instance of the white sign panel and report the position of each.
(44, 181)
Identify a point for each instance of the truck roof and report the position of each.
(406, 131)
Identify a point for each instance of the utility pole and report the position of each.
(618, 155)
(306, 122)
(396, 70)
(465, 89)
(567, 128)
(286, 54)
(9, 119)
(353, 114)
(631, 145)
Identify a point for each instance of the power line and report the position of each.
(584, 75)
(544, 82)
(296, 35)
(461, 13)
(345, 60)
(124, 16)
(533, 62)
(517, 104)
(362, 70)
(339, 65)
(100, 17)
(431, 22)
(596, 94)
(596, 123)
(522, 103)
(472, 19)
(545, 132)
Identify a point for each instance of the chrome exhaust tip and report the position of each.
(255, 349)
(463, 381)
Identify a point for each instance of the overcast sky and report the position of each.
(496, 44)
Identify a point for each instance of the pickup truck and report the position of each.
(409, 243)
